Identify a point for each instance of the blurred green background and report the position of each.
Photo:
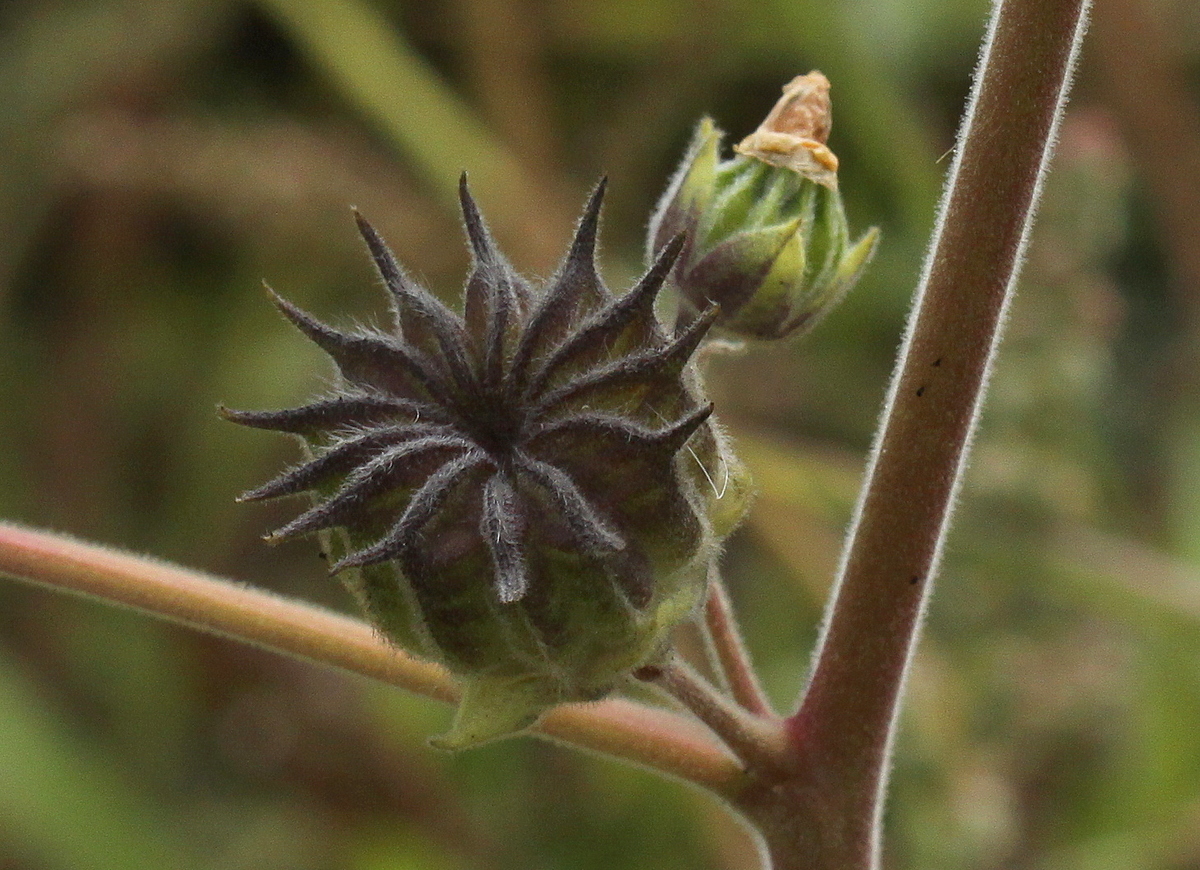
(158, 160)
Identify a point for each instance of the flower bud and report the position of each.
(529, 492)
(766, 233)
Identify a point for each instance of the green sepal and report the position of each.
(767, 243)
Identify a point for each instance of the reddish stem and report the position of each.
(731, 653)
(653, 738)
(826, 813)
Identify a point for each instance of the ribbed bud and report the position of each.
(529, 492)
(767, 239)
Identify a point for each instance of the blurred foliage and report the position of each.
(159, 159)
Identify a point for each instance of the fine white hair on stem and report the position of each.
(927, 266)
(965, 129)
(915, 468)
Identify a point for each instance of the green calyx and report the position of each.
(769, 244)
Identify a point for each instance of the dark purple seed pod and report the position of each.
(529, 492)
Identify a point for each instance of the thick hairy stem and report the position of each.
(842, 733)
(653, 738)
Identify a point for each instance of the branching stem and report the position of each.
(653, 738)
(812, 784)
(731, 653)
(842, 734)
(758, 742)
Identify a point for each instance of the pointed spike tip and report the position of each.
(652, 282)
(253, 419)
(230, 414)
(708, 317)
(280, 486)
(678, 434)
(584, 243)
(599, 190)
(591, 212)
(276, 300)
(685, 344)
(697, 419)
(368, 233)
(276, 488)
(465, 200)
(670, 252)
(280, 535)
(482, 247)
(357, 559)
(297, 315)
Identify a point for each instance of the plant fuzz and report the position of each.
(530, 492)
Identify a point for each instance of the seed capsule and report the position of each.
(529, 492)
